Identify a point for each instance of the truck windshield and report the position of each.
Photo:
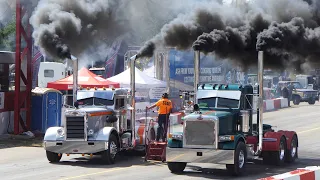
(95, 101)
(297, 85)
(227, 103)
(209, 103)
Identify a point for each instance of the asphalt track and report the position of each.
(31, 163)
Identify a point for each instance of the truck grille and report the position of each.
(75, 128)
(200, 133)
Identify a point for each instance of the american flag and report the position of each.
(37, 57)
(111, 62)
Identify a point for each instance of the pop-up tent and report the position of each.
(85, 79)
(142, 80)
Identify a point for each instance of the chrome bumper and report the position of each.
(75, 147)
(199, 155)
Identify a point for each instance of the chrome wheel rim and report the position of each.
(282, 150)
(293, 148)
(241, 159)
(113, 149)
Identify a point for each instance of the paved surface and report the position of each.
(31, 163)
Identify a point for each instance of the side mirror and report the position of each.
(196, 107)
(76, 104)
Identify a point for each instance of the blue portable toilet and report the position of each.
(46, 108)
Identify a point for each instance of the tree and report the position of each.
(7, 36)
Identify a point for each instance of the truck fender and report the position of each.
(271, 141)
(289, 135)
(140, 131)
(104, 134)
(52, 134)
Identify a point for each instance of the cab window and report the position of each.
(119, 103)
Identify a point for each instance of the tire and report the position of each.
(292, 154)
(109, 156)
(276, 158)
(176, 167)
(312, 101)
(296, 100)
(53, 157)
(240, 160)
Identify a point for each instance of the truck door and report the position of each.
(52, 108)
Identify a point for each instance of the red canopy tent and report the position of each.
(85, 79)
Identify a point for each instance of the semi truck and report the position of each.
(222, 130)
(101, 122)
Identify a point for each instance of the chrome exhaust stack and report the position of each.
(75, 78)
(133, 94)
(196, 74)
(260, 102)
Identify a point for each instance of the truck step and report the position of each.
(156, 151)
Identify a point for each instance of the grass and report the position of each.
(18, 142)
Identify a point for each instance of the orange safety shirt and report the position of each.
(165, 105)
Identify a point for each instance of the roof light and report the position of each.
(214, 86)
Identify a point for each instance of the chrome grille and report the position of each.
(75, 128)
(200, 133)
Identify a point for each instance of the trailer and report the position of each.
(101, 122)
(221, 130)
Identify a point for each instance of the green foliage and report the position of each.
(7, 32)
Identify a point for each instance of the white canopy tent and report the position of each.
(141, 78)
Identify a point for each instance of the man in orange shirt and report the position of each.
(165, 107)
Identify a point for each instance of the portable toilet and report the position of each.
(46, 108)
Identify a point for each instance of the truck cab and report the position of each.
(98, 124)
(221, 131)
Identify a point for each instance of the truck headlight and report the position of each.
(226, 138)
(60, 132)
(90, 132)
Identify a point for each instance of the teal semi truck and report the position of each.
(222, 130)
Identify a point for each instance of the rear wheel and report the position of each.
(53, 157)
(177, 167)
(240, 160)
(292, 154)
(276, 157)
(109, 156)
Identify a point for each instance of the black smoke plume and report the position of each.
(287, 30)
(63, 26)
(86, 27)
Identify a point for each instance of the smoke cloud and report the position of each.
(287, 30)
(64, 27)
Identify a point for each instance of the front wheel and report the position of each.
(240, 160)
(109, 156)
(177, 167)
(53, 157)
(312, 101)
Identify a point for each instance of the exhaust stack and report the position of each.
(133, 93)
(260, 102)
(196, 74)
(75, 78)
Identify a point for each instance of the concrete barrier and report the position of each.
(307, 173)
(268, 106)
